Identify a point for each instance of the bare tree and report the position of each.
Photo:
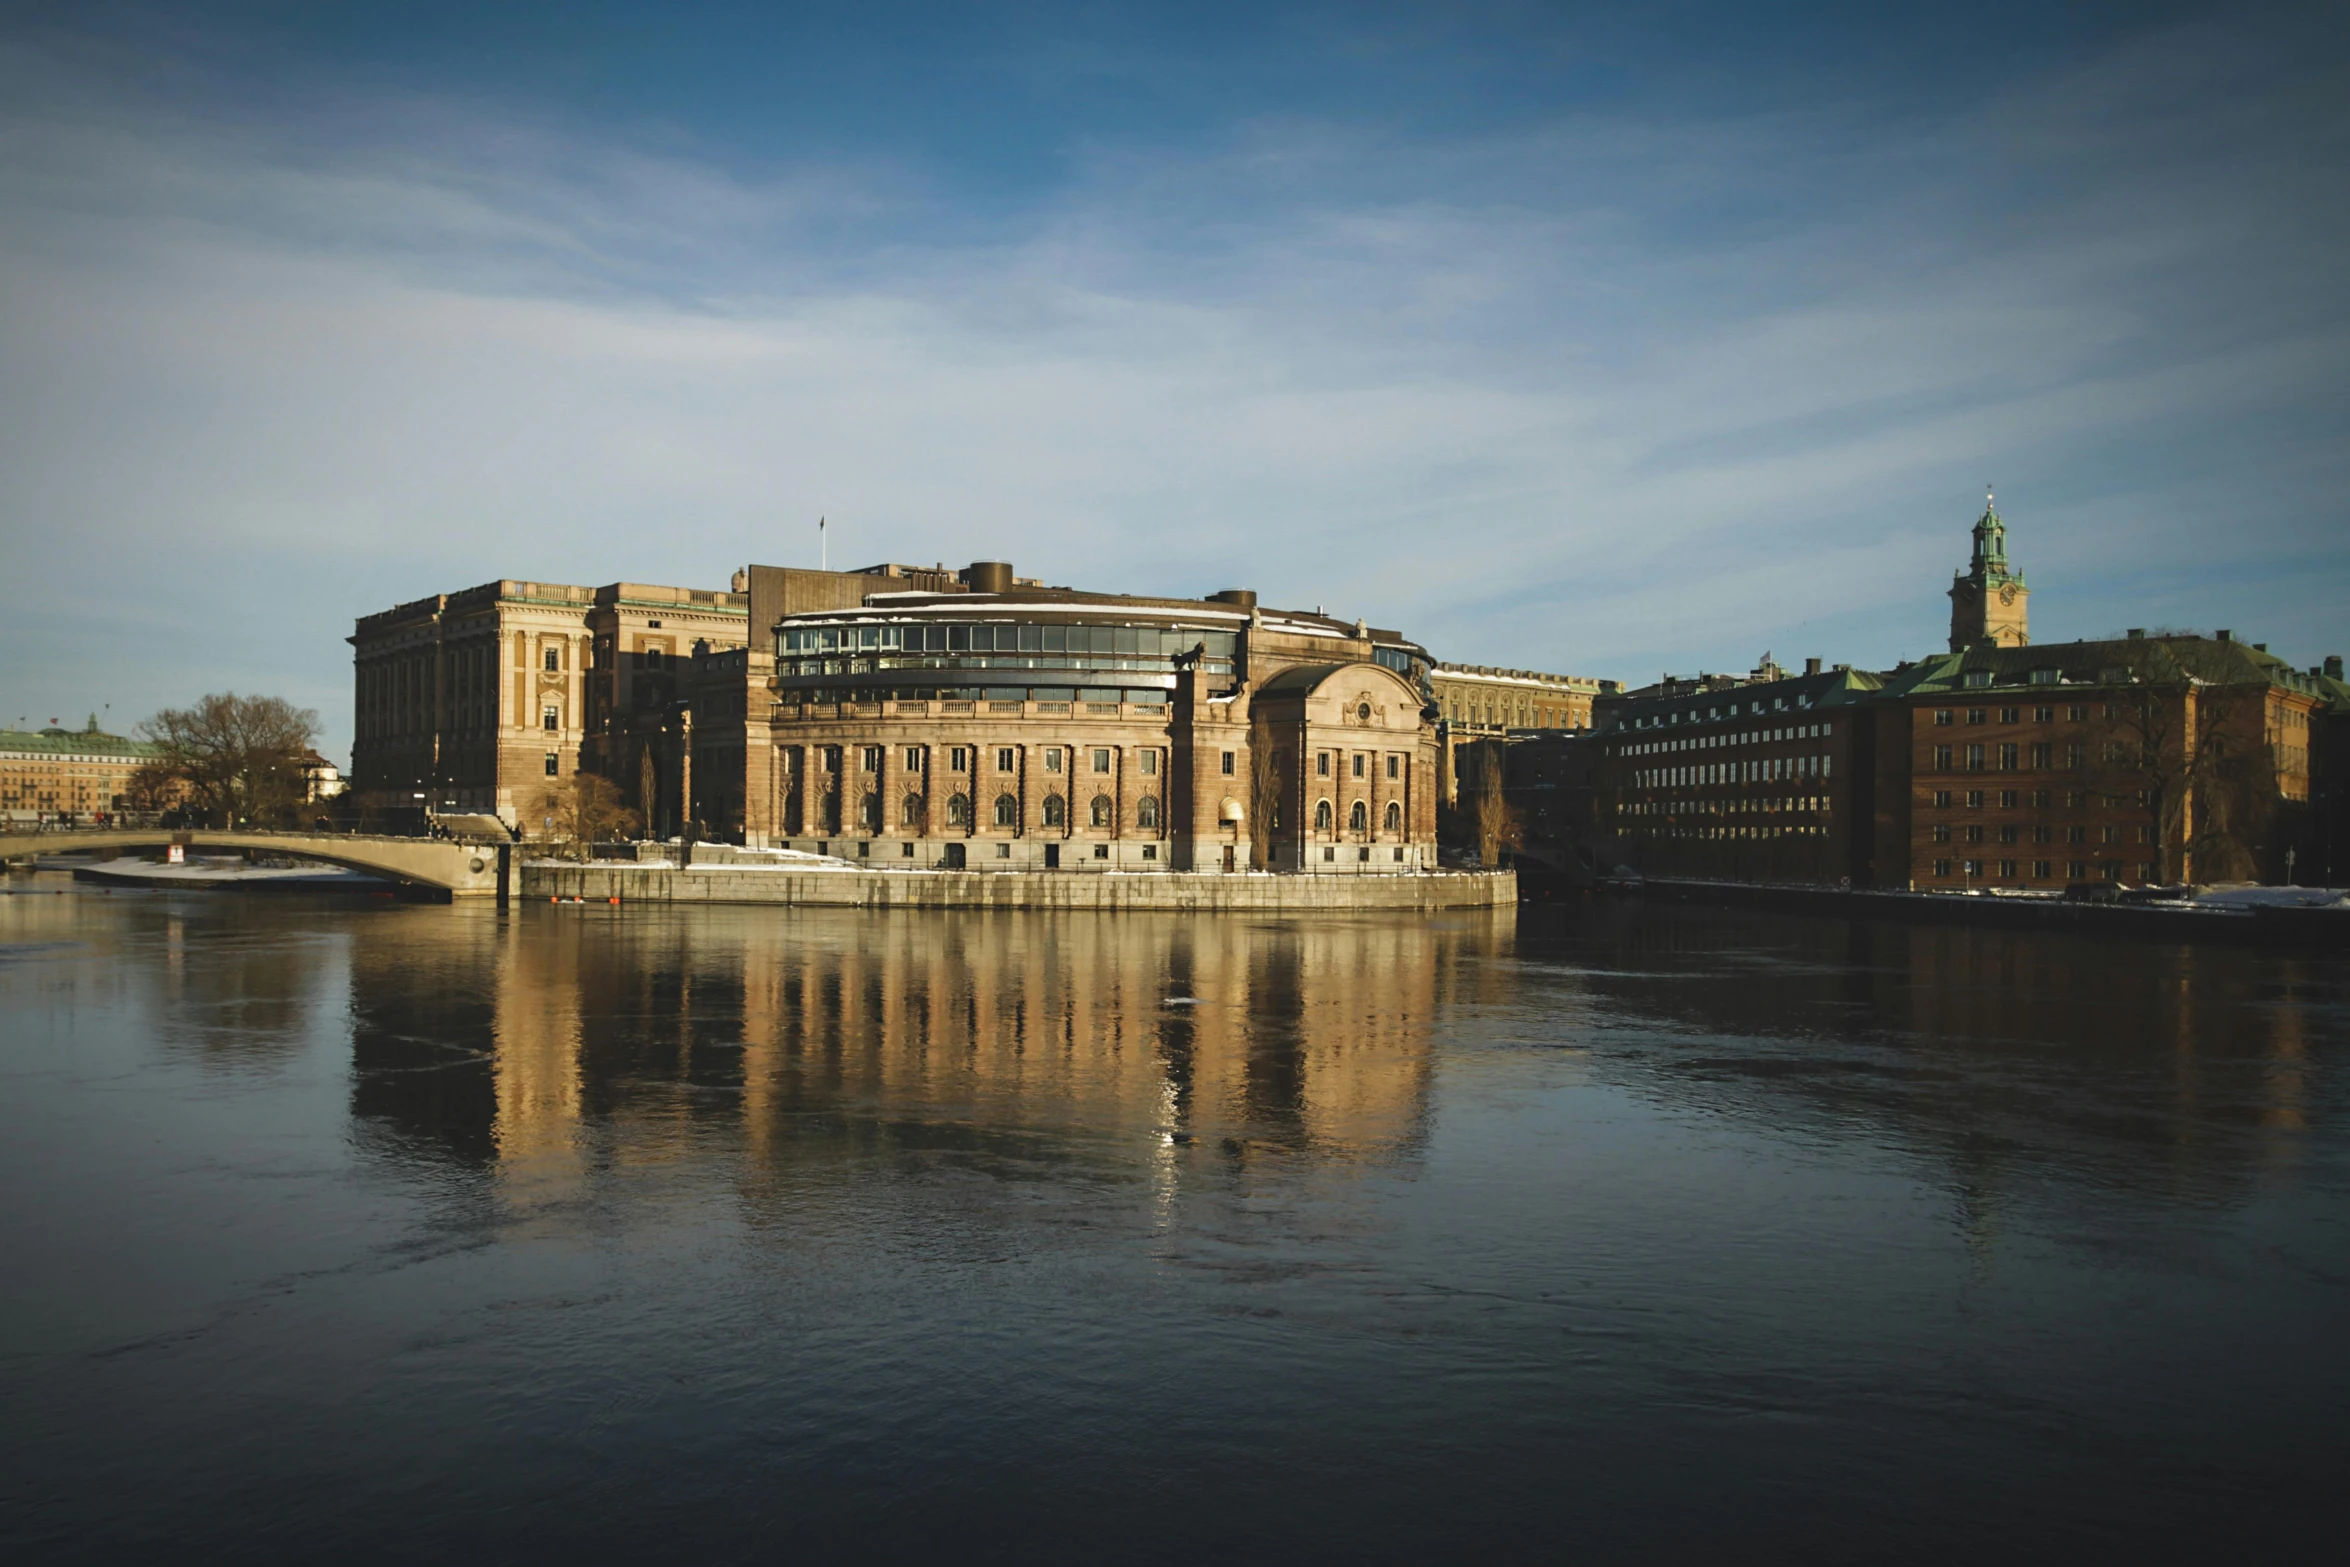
(1492, 820)
(586, 809)
(239, 759)
(2187, 734)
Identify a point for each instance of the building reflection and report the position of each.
(560, 1043)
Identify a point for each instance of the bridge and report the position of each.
(460, 869)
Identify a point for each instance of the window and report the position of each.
(1102, 810)
(959, 761)
(2113, 835)
(2076, 869)
(1052, 758)
(1101, 851)
(1101, 759)
(1941, 758)
(1941, 832)
(1977, 715)
(1007, 811)
(1943, 715)
(2041, 869)
(1973, 867)
(1226, 768)
(2043, 715)
(1321, 764)
(1974, 834)
(1942, 798)
(1395, 816)
(2076, 835)
(2043, 834)
(2009, 715)
(2041, 755)
(1359, 760)
(652, 658)
(913, 759)
(550, 717)
(872, 759)
(1978, 677)
(1005, 759)
(554, 764)
(910, 814)
(1358, 817)
(1395, 767)
(1321, 816)
(1974, 758)
(869, 812)
(2146, 835)
(2007, 870)
(1056, 811)
(2009, 833)
(958, 810)
(2007, 799)
(2007, 758)
(1146, 811)
(1150, 764)
(553, 661)
(1150, 851)
(1942, 867)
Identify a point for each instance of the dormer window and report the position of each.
(1978, 677)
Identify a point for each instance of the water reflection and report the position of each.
(551, 1043)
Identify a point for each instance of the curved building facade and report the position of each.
(1008, 726)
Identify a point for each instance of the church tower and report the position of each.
(1987, 600)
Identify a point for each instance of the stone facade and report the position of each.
(70, 775)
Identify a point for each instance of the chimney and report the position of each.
(2137, 633)
(2260, 647)
(2225, 635)
(989, 576)
(2333, 666)
(1240, 598)
(1811, 666)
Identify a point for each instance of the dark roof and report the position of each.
(2110, 662)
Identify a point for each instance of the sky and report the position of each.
(1556, 337)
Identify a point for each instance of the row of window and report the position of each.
(1116, 641)
(1745, 770)
(2010, 758)
(2010, 832)
(2075, 714)
(2042, 870)
(961, 758)
(1742, 737)
(1051, 698)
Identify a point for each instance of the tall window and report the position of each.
(1322, 764)
(1007, 811)
(1358, 817)
(913, 759)
(1227, 764)
(550, 717)
(869, 812)
(1101, 759)
(959, 810)
(554, 764)
(872, 759)
(959, 759)
(1004, 759)
(1974, 758)
(553, 661)
(1395, 767)
(1146, 810)
(1321, 816)
(910, 814)
(1358, 764)
(1056, 811)
(1102, 810)
(1052, 758)
(1395, 816)
(1150, 764)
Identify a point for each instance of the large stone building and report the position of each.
(915, 716)
(989, 722)
(2001, 764)
(475, 701)
(1477, 701)
(75, 776)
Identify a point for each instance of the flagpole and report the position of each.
(823, 547)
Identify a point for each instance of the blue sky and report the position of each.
(1556, 336)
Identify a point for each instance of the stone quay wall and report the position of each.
(1162, 891)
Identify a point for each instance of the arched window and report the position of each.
(1395, 816)
(1056, 811)
(1321, 816)
(869, 812)
(1007, 811)
(911, 812)
(1146, 811)
(1359, 817)
(1102, 810)
(959, 810)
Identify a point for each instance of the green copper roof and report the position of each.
(75, 742)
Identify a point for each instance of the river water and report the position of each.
(1615, 1232)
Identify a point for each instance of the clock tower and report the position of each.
(1987, 600)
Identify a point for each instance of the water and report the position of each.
(394, 1232)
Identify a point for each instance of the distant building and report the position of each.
(1478, 700)
(70, 775)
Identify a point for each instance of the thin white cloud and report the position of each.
(1608, 395)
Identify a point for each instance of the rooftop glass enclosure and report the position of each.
(1004, 657)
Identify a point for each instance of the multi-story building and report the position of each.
(2001, 764)
(475, 701)
(1765, 777)
(992, 723)
(2141, 760)
(1477, 701)
(69, 775)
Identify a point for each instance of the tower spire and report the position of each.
(1987, 599)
